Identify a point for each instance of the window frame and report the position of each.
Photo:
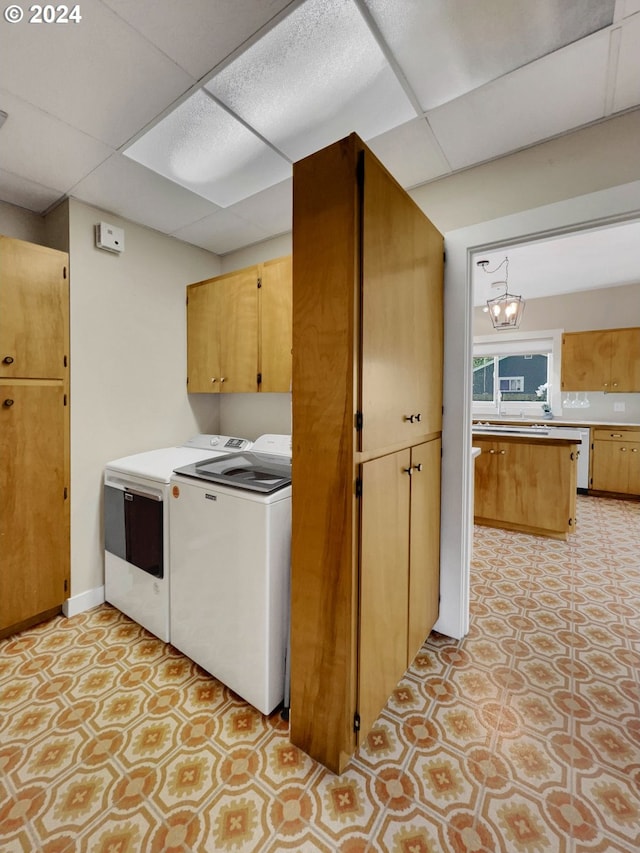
(549, 342)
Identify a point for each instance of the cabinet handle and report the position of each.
(418, 467)
(605, 384)
(419, 417)
(615, 435)
(8, 403)
(223, 379)
(623, 450)
(213, 379)
(502, 452)
(615, 384)
(492, 450)
(412, 418)
(408, 470)
(8, 359)
(634, 449)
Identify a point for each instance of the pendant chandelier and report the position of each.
(506, 310)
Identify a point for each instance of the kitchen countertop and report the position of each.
(556, 422)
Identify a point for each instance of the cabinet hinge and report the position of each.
(64, 399)
(66, 585)
(441, 452)
(65, 361)
(358, 420)
(259, 283)
(444, 257)
(259, 380)
(573, 456)
(356, 722)
(358, 487)
(64, 272)
(570, 522)
(66, 493)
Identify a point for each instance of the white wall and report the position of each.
(21, 224)
(607, 308)
(128, 364)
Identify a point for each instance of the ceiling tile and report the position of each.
(627, 89)
(548, 97)
(49, 152)
(411, 153)
(200, 34)
(271, 209)
(449, 47)
(222, 232)
(314, 78)
(24, 193)
(123, 187)
(199, 145)
(99, 75)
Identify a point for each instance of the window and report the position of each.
(517, 374)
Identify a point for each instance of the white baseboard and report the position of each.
(84, 601)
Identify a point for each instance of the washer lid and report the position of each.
(256, 472)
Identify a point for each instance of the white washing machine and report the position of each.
(136, 526)
(230, 544)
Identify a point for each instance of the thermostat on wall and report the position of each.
(109, 237)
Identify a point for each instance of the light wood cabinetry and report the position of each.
(602, 360)
(367, 361)
(528, 485)
(615, 461)
(34, 433)
(239, 331)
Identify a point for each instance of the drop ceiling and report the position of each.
(186, 117)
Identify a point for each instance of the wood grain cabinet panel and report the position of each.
(239, 331)
(615, 461)
(34, 433)
(367, 359)
(601, 360)
(526, 485)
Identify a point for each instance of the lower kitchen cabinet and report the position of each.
(526, 485)
(34, 523)
(615, 461)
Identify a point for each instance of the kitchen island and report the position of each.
(525, 480)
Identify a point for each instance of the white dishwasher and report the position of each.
(230, 542)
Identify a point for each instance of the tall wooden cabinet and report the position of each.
(239, 330)
(601, 360)
(367, 419)
(34, 432)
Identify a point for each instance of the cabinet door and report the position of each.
(33, 310)
(586, 359)
(424, 548)
(401, 329)
(34, 561)
(610, 466)
(485, 500)
(203, 345)
(238, 331)
(625, 360)
(275, 326)
(634, 468)
(384, 579)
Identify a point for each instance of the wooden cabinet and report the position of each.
(367, 361)
(239, 331)
(400, 568)
(34, 433)
(528, 485)
(603, 360)
(615, 461)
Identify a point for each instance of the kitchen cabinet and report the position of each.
(602, 360)
(526, 484)
(367, 296)
(615, 461)
(34, 433)
(239, 331)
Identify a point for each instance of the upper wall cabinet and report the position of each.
(603, 360)
(239, 331)
(33, 311)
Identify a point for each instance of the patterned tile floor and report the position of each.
(524, 737)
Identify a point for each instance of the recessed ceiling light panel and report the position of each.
(314, 78)
(204, 149)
